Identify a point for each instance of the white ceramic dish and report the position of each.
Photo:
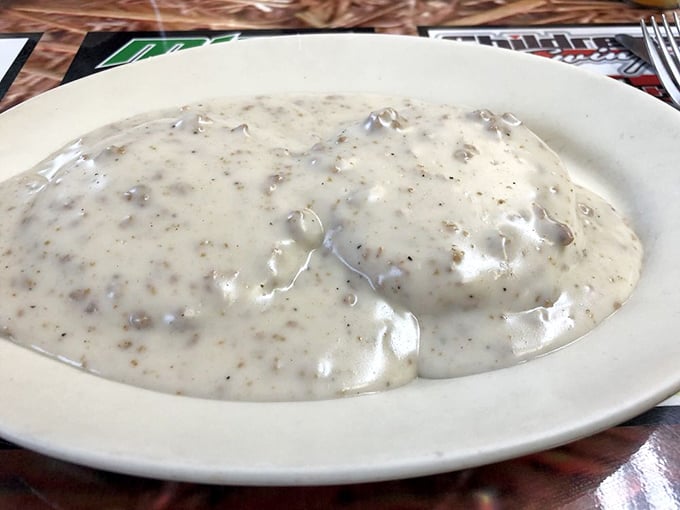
(622, 141)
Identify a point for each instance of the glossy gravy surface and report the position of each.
(305, 247)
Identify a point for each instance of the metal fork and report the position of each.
(665, 62)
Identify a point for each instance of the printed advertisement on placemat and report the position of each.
(14, 51)
(589, 47)
(104, 50)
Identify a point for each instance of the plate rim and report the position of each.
(57, 441)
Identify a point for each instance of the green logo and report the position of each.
(139, 49)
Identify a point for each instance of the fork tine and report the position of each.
(661, 44)
(677, 29)
(659, 65)
(674, 69)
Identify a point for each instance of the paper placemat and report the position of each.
(14, 51)
(590, 47)
(104, 50)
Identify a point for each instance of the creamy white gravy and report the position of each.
(306, 247)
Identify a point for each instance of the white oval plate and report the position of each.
(622, 141)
